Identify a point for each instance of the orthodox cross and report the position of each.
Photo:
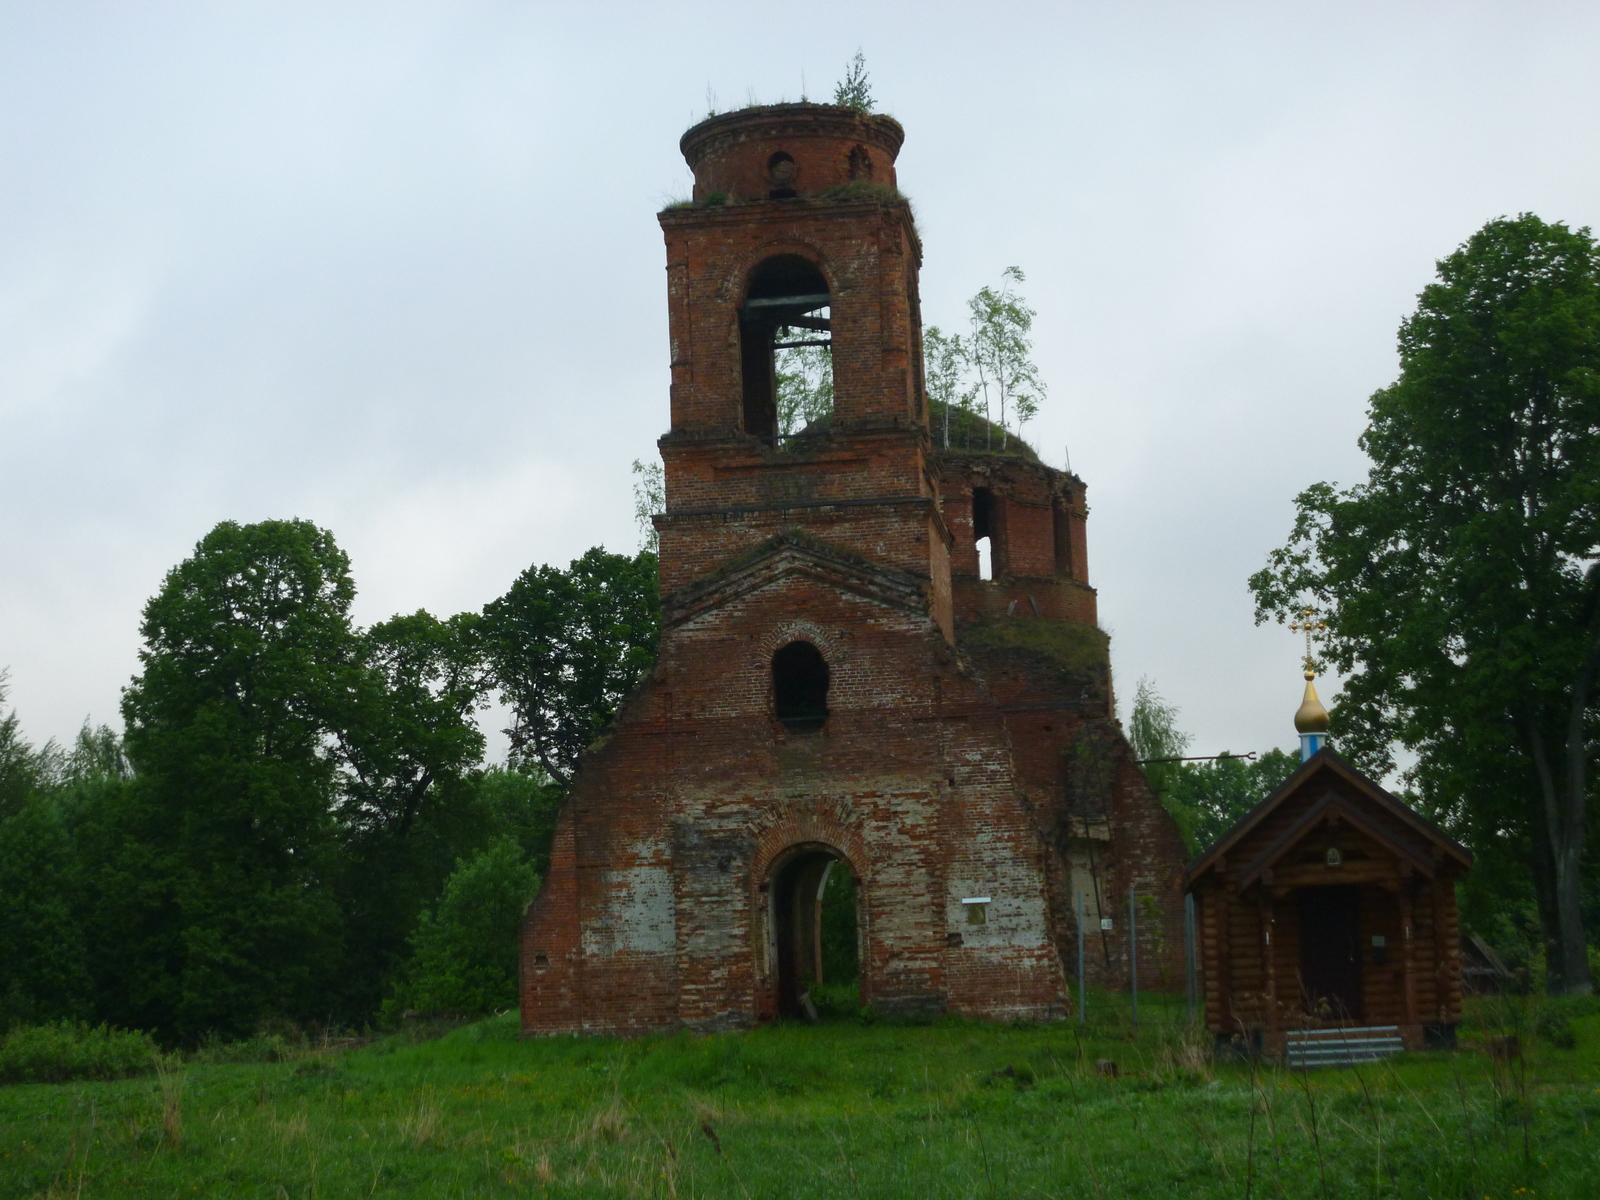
(1312, 625)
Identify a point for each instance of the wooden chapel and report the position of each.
(1330, 906)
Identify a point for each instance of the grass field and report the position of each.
(843, 1110)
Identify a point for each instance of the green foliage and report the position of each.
(1216, 795)
(981, 384)
(1153, 735)
(1153, 732)
(465, 949)
(304, 790)
(970, 433)
(43, 960)
(855, 89)
(866, 189)
(55, 1053)
(408, 801)
(1458, 582)
(1205, 798)
(215, 896)
(21, 768)
(566, 647)
(840, 941)
(944, 358)
(43, 972)
(805, 383)
(649, 498)
(1000, 354)
(522, 805)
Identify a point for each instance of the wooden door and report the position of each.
(1330, 952)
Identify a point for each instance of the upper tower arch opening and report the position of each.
(784, 345)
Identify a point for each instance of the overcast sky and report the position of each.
(394, 268)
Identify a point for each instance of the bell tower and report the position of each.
(797, 235)
(810, 733)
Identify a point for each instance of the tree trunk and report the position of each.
(1558, 827)
(1542, 867)
(1569, 849)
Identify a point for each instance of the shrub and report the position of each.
(464, 952)
(72, 1050)
(1556, 1014)
(263, 1047)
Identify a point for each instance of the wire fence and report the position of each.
(1164, 1005)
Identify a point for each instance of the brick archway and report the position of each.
(793, 858)
(737, 277)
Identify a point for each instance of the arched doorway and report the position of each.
(815, 927)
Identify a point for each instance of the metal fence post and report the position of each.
(1191, 983)
(1082, 1012)
(1133, 955)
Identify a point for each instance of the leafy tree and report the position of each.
(214, 867)
(523, 805)
(1206, 798)
(408, 805)
(43, 966)
(1459, 581)
(44, 972)
(1000, 353)
(565, 648)
(805, 386)
(649, 498)
(464, 956)
(993, 363)
(855, 89)
(944, 359)
(1158, 744)
(414, 733)
(1215, 795)
(21, 767)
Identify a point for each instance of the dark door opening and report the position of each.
(1330, 951)
(814, 922)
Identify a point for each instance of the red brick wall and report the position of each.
(830, 148)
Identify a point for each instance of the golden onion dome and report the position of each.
(1311, 716)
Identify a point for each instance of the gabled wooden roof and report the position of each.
(1407, 834)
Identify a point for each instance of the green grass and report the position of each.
(955, 1109)
(72, 1050)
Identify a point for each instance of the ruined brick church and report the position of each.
(839, 687)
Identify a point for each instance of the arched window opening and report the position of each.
(817, 936)
(984, 531)
(786, 348)
(860, 163)
(781, 172)
(1063, 538)
(800, 686)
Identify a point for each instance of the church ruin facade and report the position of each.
(842, 693)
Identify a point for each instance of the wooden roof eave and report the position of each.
(1324, 758)
(1309, 820)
